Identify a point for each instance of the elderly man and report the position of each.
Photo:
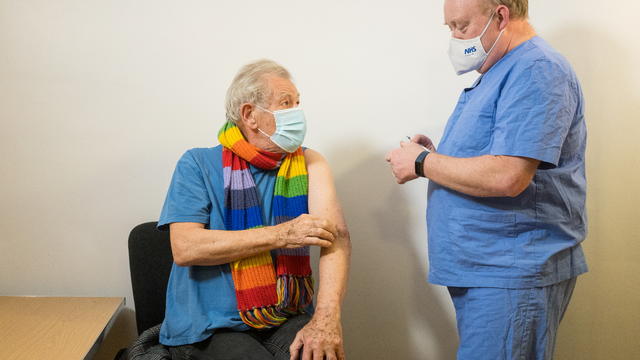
(242, 216)
(506, 198)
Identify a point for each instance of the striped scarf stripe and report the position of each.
(266, 292)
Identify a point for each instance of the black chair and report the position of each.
(150, 262)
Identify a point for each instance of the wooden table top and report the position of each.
(53, 327)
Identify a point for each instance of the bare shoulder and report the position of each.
(315, 160)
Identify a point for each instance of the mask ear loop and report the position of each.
(269, 111)
(486, 27)
(263, 109)
(495, 42)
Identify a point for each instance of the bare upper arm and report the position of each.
(323, 199)
(180, 227)
(178, 233)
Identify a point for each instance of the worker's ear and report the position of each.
(503, 16)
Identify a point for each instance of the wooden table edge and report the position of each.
(98, 341)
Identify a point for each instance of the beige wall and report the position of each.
(98, 99)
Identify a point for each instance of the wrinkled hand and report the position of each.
(320, 339)
(306, 230)
(402, 159)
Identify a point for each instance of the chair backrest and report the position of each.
(150, 262)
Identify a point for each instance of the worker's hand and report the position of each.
(424, 141)
(402, 161)
(320, 339)
(305, 230)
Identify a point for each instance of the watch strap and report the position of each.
(419, 163)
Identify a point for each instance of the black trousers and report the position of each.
(227, 344)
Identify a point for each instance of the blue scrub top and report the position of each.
(528, 104)
(201, 299)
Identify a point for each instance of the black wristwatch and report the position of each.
(420, 163)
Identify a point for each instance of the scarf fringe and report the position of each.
(263, 318)
(294, 293)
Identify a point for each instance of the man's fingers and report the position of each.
(330, 227)
(316, 230)
(294, 349)
(314, 241)
(424, 141)
(323, 234)
(326, 225)
(315, 220)
(307, 352)
(395, 176)
(318, 354)
(421, 139)
(330, 354)
(340, 354)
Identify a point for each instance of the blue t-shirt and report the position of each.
(528, 104)
(201, 299)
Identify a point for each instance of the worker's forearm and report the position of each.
(333, 274)
(215, 247)
(481, 176)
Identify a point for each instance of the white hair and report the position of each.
(249, 86)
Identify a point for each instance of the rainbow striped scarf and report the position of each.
(266, 294)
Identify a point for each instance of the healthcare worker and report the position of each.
(506, 198)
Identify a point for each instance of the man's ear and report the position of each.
(247, 116)
(504, 16)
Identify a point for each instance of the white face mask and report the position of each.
(469, 55)
(291, 127)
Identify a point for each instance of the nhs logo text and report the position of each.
(470, 50)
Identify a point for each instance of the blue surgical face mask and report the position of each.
(291, 127)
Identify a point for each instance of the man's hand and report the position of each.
(402, 160)
(320, 339)
(424, 141)
(306, 230)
